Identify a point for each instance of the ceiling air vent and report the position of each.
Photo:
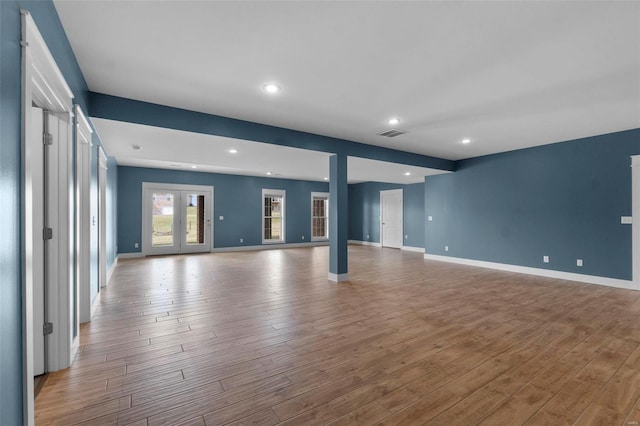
(392, 133)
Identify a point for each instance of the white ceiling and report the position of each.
(180, 150)
(507, 75)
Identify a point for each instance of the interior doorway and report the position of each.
(49, 305)
(177, 219)
(391, 220)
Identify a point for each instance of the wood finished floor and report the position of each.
(264, 338)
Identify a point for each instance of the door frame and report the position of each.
(83, 214)
(635, 221)
(147, 187)
(102, 218)
(43, 85)
(392, 192)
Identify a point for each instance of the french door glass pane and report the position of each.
(162, 235)
(195, 219)
(272, 218)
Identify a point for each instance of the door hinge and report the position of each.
(47, 234)
(47, 328)
(48, 139)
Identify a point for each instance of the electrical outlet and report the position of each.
(578, 262)
(367, 236)
(429, 218)
(303, 237)
(242, 240)
(406, 237)
(446, 248)
(545, 259)
(221, 217)
(135, 245)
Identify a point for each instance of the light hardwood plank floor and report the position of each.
(264, 338)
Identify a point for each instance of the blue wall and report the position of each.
(364, 212)
(46, 18)
(10, 214)
(562, 200)
(237, 198)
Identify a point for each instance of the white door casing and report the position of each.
(38, 245)
(102, 218)
(391, 220)
(635, 225)
(83, 214)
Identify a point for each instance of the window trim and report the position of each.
(321, 195)
(283, 213)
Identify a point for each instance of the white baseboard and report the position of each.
(569, 276)
(96, 302)
(111, 269)
(270, 246)
(338, 278)
(365, 243)
(130, 255)
(416, 249)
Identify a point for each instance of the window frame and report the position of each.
(324, 196)
(275, 193)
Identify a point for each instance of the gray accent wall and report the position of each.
(562, 200)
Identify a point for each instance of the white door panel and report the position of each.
(37, 160)
(391, 218)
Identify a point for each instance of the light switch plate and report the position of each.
(626, 220)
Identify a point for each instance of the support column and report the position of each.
(338, 218)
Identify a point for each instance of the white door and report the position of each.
(177, 219)
(38, 246)
(391, 218)
(102, 218)
(54, 306)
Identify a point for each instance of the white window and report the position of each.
(319, 216)
(273, 216)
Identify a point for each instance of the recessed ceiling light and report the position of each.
(271, 88)
(233, 151)
(466, 140)
(393, 121)
(407, 173)
(136, 147)
(269, 173)
(326, 178)
(194, 167)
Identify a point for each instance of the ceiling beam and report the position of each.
(132, 111)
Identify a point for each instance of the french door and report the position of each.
(177, 219)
